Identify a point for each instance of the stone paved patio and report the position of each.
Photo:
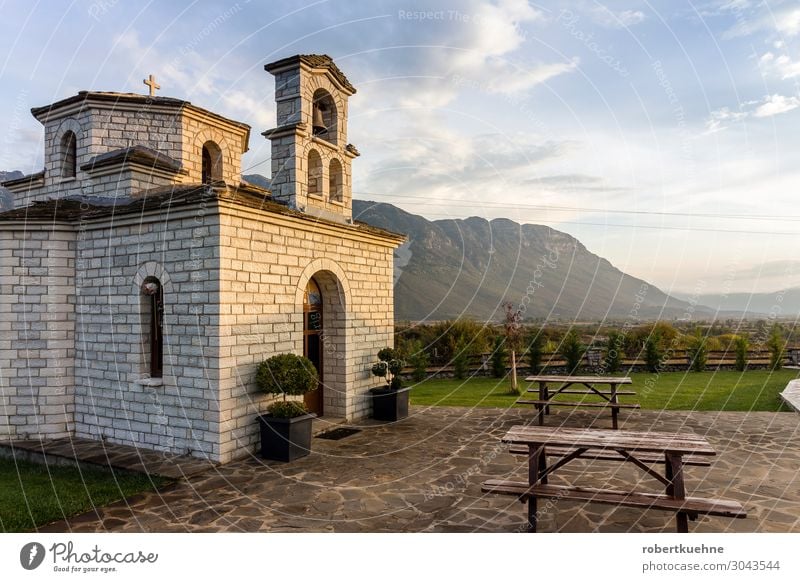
(424, 474)
(69, 451)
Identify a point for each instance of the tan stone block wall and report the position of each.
(195, 133)
(37, 303)
(100, 130)
(265, 263)
(294, 92)
(111, 400)
(71, 360)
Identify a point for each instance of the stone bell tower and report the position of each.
(311, 159)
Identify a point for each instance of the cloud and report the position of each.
(573, 182)
(496, 28)
(721, 119)
(624, 19)
(510, 79)
(441, 164)
(781, 66)
(754, 17)
(770, 105)
(788, 22)
(775, 105)
(473, 47)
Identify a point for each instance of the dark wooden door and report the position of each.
(312, 342)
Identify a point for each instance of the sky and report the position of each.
(662, 134)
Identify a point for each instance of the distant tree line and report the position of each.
(457, 342)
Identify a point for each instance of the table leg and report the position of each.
(541, 408)
(535, 461)
(614, 409)
(676, 488)
(543, 465)
(545, 395)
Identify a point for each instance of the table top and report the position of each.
(659, 442)
(581, 379)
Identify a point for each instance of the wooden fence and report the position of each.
(677, 360)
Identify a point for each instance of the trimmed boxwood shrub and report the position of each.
(389, 367)
(287, 375)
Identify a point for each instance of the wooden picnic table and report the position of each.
(590, 383)
(638, 448)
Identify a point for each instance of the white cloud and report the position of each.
(509, 79)
(770, 105)
(491, 36)
(775, 105)
(480, 51)
(752, 18)
(243, 104)
(624, 19)
(781, 66)
(722, 118)
(788, 22)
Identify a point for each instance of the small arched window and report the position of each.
(69, 155)
(335, 181)
(314, 173)
(324, 120)
(153, 320)
(212, 163)
(313, 296)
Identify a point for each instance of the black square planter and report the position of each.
(389, 404)
(285, 439)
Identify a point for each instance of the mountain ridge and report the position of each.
(471, 266)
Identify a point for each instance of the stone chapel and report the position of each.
(142, 280)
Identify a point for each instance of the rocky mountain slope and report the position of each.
(470, 267)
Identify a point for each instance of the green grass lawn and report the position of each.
(727, 390)
(32, 495)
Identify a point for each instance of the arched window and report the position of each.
(69, 156)
(335, 181)
(324, 120)
(153, 320)
(212, 163)
(314, 173)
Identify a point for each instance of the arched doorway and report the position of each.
(312, 341)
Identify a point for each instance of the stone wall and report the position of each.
(114, 398)
(73, 359)
(266, 262)
(37, 303)
(294, 94)
(177, 133)
(196, 131)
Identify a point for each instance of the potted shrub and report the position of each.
(286, 428)
(389, 402)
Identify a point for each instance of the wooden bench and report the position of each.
(604, 387)
(542, 403)
(643, 449)
(610, 455)
(592, 392)
(543, 406)
(692, 506)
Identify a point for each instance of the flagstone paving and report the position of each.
(423, 474)
(70, 450)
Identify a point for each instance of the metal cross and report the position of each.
(151, 82)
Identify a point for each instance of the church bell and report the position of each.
(318, 123)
